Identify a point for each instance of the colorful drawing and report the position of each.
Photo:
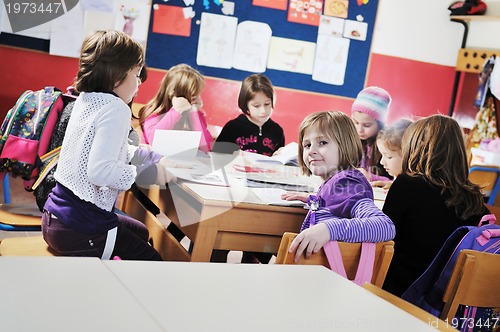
(355, 30)
(337, 8)
(305, 11)
(170, 20)
(129, 14)
(276, 4)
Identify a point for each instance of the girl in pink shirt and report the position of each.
(177, 105)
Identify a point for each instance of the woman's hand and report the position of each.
(310, 240)
(181, 104)
(295, 195)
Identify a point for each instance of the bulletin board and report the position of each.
(165, 49)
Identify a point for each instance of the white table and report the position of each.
(66, 294)
(250, 297)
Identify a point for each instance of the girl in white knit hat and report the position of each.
(369, 113)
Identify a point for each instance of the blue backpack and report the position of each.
(428, 290)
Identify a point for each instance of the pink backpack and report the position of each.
(26, 131)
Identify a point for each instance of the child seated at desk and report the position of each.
(252, 131)
(177, 105)
(430, 198)
(389, 145)
(343, 209)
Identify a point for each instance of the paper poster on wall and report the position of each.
(67, 34)
(305, 11)
(331, 59)
(132, 17)
(291, 55)
(94, 21)
(276, 4)
(170, 20)
(252, 46)
(97, 5)
(337, 8)
(355, 30)
(216, 42)
(227, 8)
(331, 26)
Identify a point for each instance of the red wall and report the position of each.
(417, 88)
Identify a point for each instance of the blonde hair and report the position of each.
(180, 81)
(106, 58)
(338, 127)
(392, 136)
(434, 149)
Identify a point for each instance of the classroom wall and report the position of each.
(413, 57)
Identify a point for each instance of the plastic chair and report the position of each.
(410, 308)
(17, 217)
(473, 282)
(496, 185)
(351, 253)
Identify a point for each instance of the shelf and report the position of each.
(468, 18)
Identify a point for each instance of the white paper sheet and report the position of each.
(216, 41)
(291, 55)
(177, 144)
(272, 196)
(66, 34)
(252, 46)
(331, 59)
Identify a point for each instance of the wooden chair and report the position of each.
(350, 255)
(473, 282)
(410, 308)
(25, 246)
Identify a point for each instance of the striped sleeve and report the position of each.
(368, 224)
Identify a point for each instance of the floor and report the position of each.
(20, 196)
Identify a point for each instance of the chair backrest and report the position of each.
(351, 253)
(410, 308)
(474, 282)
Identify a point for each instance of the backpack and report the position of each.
(428, 290)
(44, 185)
(26, 132)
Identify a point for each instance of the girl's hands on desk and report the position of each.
(310, 240)
(383, 184)
(295, 195)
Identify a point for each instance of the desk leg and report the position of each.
(204, 242)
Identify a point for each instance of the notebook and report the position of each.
(177, 144)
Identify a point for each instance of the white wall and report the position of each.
(422, 31)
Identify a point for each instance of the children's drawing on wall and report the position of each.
(331, 59)
(276, 4)
(170, 20)
(305, 11)
(252, 46)
(337, 8)
(133, 18)
(97, 5)
(67, 34)
(331, 26)
(216, 41)
(355, 30)
(291, 55)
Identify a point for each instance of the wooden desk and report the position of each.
(254, 297)
(67, 294)
(230, 218)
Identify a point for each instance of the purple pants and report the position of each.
(131, 240)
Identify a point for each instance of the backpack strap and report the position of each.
(487, 219)
(364, 272)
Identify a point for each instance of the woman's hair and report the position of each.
(434, 149)
(105, 60)
(252, 85)
(392, 136)
(180, 81)
(338, 127)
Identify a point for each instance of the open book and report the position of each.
(287, 155)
